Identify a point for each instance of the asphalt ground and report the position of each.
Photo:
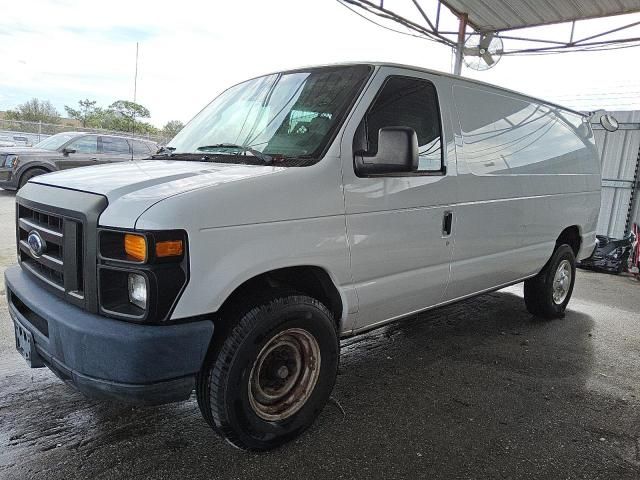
(477, 390)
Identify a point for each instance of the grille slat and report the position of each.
(60, 265)
(47, 260)
(47, 233)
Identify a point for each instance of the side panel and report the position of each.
(526, 171)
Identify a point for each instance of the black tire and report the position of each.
(32, 172)
(539, 290)
(225, 383)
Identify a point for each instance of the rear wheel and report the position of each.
(272, 374)
(33, 172)
(548, 293)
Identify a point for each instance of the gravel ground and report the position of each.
(475, 390)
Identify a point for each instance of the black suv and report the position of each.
(67, 150)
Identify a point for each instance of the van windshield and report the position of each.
(286, 117)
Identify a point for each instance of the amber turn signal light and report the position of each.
(135, 246)
(169, 248)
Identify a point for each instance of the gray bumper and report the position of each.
(106, 358)
(7, 179)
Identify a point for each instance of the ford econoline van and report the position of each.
(295, 209)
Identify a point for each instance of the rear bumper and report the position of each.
(106, 358)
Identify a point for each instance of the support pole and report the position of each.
(462, 29)
(573, 28)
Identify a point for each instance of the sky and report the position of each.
(190, 51)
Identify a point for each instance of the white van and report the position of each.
(295, 209)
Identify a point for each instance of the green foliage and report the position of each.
(129, 109)
(120, 116)
(35, 111)
(86, 113)
(172, 128)
(123, 115)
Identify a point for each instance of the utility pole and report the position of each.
(135, 96)
(135, 78)
(462, 30)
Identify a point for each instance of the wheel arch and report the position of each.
(33, 166)
(311, 280)
(571, 236)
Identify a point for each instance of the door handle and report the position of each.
(447, 221)
(95, 159)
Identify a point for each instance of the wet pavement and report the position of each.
(475, 390)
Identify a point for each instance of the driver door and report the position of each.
(400, 248)
(86, 153)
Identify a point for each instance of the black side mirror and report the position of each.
(397, 153)
(67, 151)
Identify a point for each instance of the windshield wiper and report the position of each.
(165, 149)
(267, 159)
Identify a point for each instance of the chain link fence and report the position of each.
(34, 132)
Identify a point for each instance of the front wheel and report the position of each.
(547, 294)
(29, 174)
(272, 374)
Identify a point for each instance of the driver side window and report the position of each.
(87, 144)
(405, 102)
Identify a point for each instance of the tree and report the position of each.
(85, 113)
(125, 114)
(35, 111)
(172, 128)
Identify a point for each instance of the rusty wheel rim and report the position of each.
(284, 374)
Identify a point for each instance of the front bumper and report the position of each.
(106, 358)
(7, 179)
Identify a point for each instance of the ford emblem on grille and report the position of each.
(36, 244)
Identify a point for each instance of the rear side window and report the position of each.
(140, 148)
(405, 102)
(87, 144)
(506, 135)
(115, 145)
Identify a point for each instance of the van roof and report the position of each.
(443, 74)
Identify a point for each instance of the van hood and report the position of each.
(131, 187)
(153, 179)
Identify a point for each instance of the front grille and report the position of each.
(60, 264)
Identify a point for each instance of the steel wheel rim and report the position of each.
(284, 374)
(561, 282)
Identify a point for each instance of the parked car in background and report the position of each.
(6, 142)
(67, 150)
(21, 141)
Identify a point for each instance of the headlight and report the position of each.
(137, 290)
(141, 274)
(11, 161)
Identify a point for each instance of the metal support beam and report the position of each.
(462, 30)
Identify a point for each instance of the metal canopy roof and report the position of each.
(500, 15)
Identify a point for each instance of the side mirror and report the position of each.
(609, 123)
(397, 153)
(67, 151)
